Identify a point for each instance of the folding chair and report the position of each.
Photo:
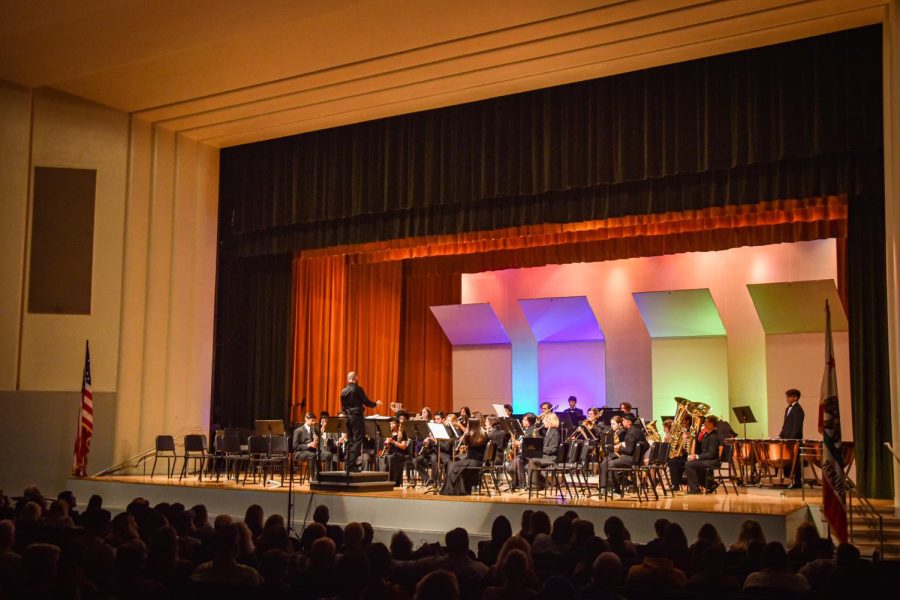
(258, 460)
(194, 451)
(278, 453)
(716, 473)
(632, 475)
(165, 448)
(485, 470)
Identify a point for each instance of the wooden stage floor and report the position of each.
(426, 517)
(756, 502)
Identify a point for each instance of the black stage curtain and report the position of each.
(810, 98)
(253, 350)
(869, 367)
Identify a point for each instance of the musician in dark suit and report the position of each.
(330, 442)
(706, 455)
(792, 429)
(516, 467)
(551, 447)
(627, 449)
(308, 445)
(575, 414)
(353, 403)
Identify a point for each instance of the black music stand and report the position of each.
(744, 415)
(532, 447)
(337, 425)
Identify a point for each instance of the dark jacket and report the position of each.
(551, 441)
(793, 423)
(633, 437)
(302, 438)
(354, 399)
(708, 448)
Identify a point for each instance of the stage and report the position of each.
(426, 517)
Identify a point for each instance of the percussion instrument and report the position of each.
(776, 455)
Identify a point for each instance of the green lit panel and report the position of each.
(679, 314)
(797, 306)
(692, 368)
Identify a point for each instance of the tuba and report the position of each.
(652, 432)
(685, 425)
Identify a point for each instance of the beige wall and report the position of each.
(167, 295)
(151, 317)
(15, 134)
(68, 132)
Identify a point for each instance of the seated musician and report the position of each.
(462, 421)
(507, 408)
(516, 467)
(456, 484)
(706, 455)
(676, 464)
(394, 454)
(425, 415)
(329, 443)
(427, 457)
(551, 447)
(497, 434)
(627, 451)
(307, 442)
(575, 414)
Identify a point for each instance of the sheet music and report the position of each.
(438, 431)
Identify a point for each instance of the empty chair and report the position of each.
(194, 452)
(165, 448)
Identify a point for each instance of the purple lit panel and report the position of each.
(572, 369)
(470, 324)
(568, 319)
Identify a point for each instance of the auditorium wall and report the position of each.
(153, 278)
(629, 356)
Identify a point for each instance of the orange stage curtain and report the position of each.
(426, 376)
(320, 309)
(374, 293)
(347, 318)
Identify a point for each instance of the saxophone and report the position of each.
(685, 425)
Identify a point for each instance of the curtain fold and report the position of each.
(426, 374)
(320, 336)
(347, 318)
(869, 368)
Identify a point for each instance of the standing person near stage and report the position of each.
(792, 429)
(353, 403)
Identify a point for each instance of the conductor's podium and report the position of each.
(340, 481)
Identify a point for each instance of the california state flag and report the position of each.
(834, 495)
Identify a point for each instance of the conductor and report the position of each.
(353, 403)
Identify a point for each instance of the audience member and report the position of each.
(776, 574)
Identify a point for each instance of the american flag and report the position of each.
(86, 420)
(834, 494)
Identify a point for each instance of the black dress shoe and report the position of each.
(712, 487)
(693, 492)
